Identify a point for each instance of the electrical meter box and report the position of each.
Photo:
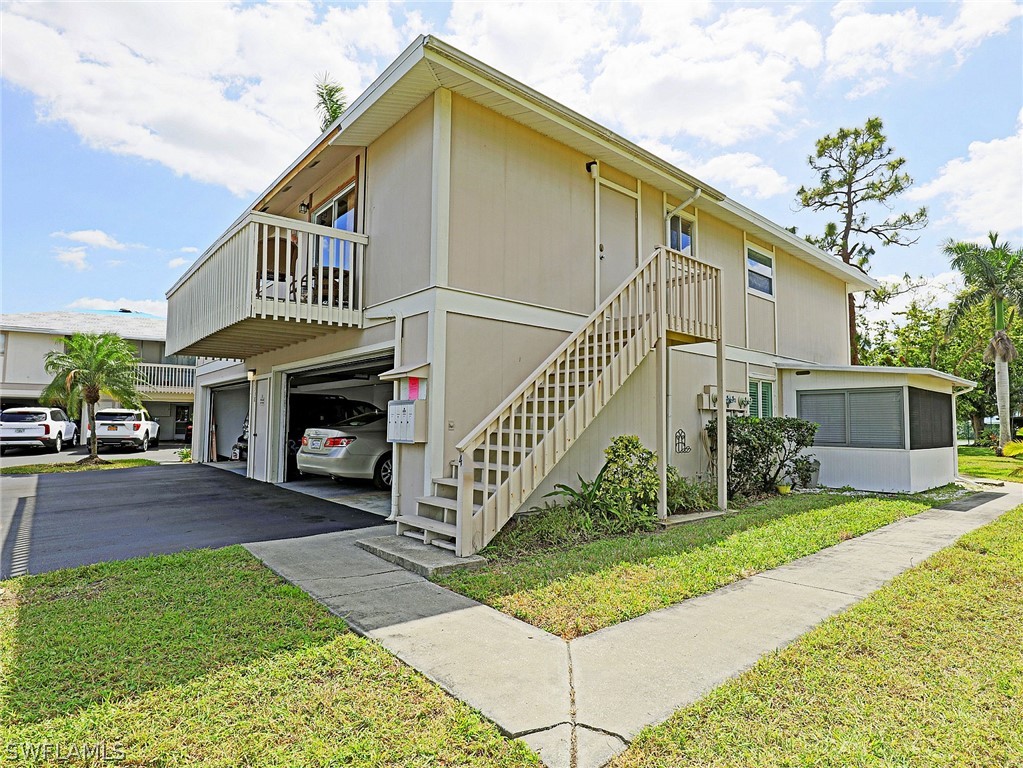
(406, 421)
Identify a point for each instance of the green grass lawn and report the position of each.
(571, 591)
(207, 658)
(925, 673)
(982, 462)
(46, 469)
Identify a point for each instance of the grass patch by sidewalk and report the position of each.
(927, 672)
(47, 469)
(982, 462)
(575, 590)
(208, 658)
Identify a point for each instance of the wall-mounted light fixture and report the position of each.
(591, 168)
(251, 374)
(303, 208)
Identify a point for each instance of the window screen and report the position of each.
(828, 410)
(930, 419)
(859, 418)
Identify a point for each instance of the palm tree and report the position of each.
(992, 274)
(330, 100)
(92, 364)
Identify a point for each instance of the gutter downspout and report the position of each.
(697, 193)
(395, 395)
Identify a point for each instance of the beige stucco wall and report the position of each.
(521, 213)
(721, 245)
(812, 313)
(486, 360)
(761, 323)
(23, 362)
(398, 193)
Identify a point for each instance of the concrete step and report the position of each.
(415, 556)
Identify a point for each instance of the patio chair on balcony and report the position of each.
(330, 286)
(276, 263)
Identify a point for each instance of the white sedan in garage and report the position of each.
(355, 447)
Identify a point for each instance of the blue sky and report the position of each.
(134, 134)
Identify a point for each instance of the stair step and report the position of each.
(438, 501)
(427, 524)
(452, 482)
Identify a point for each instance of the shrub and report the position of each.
(763, 452)
(185, 455)
(1012, 449)
(623, 495)
(689, 495)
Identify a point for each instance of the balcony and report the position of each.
(158, 378)
(266, 283)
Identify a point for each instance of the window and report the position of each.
(858, 418)
(930, 419)
(680, 235)
(760, 271)
(761, 398)
(339, 214)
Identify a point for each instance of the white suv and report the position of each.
(126, 427)
(46, 428)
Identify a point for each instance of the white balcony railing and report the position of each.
(158, 377)
(267, 267)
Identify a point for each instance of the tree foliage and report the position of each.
(91, 365)
(330, 100)
(994, 277)
(857, 172)
(762, 452)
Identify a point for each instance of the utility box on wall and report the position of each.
(406, 421)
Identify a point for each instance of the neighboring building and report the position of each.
(167, 382)
(529, 283)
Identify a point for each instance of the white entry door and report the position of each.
(259, 430)
(617, 255)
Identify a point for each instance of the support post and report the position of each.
(466, 488)
(661, 350)
(722, 411)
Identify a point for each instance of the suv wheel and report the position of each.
(382, 475)
(144, 445)
(58, 443)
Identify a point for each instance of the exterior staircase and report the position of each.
(670, 297)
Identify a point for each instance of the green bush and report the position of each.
(184, 455)
(622, 497)
(763, 452)
(686, 495)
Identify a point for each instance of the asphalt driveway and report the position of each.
(62, 520)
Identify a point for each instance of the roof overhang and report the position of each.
(868, 370)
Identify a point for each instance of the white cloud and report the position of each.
(94, 237)
(222, 93)
(983, 191)
(870, 47)
(151, 306)
(938, 290)
(74, 257)
(189, 249)
(731, 79)
(743, 173)
(178, 262)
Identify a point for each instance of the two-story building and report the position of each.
(526, 284)
(166, 382)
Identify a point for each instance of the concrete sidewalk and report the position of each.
(579, 703)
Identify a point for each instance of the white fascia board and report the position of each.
(65, 331)
(881, 369)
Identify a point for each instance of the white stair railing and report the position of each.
(506, 457)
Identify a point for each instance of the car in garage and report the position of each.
(309, 411)
(126, 427)
(46, 428)
(355, 447)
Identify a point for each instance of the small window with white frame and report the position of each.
(761, 398)
(680, 235)
(759, 271)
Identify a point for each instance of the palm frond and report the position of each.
(961, 306)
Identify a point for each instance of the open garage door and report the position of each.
(229, 409)
(323, 396)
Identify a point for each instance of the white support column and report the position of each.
(440, 222)
(722, 411)
(661, 350)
